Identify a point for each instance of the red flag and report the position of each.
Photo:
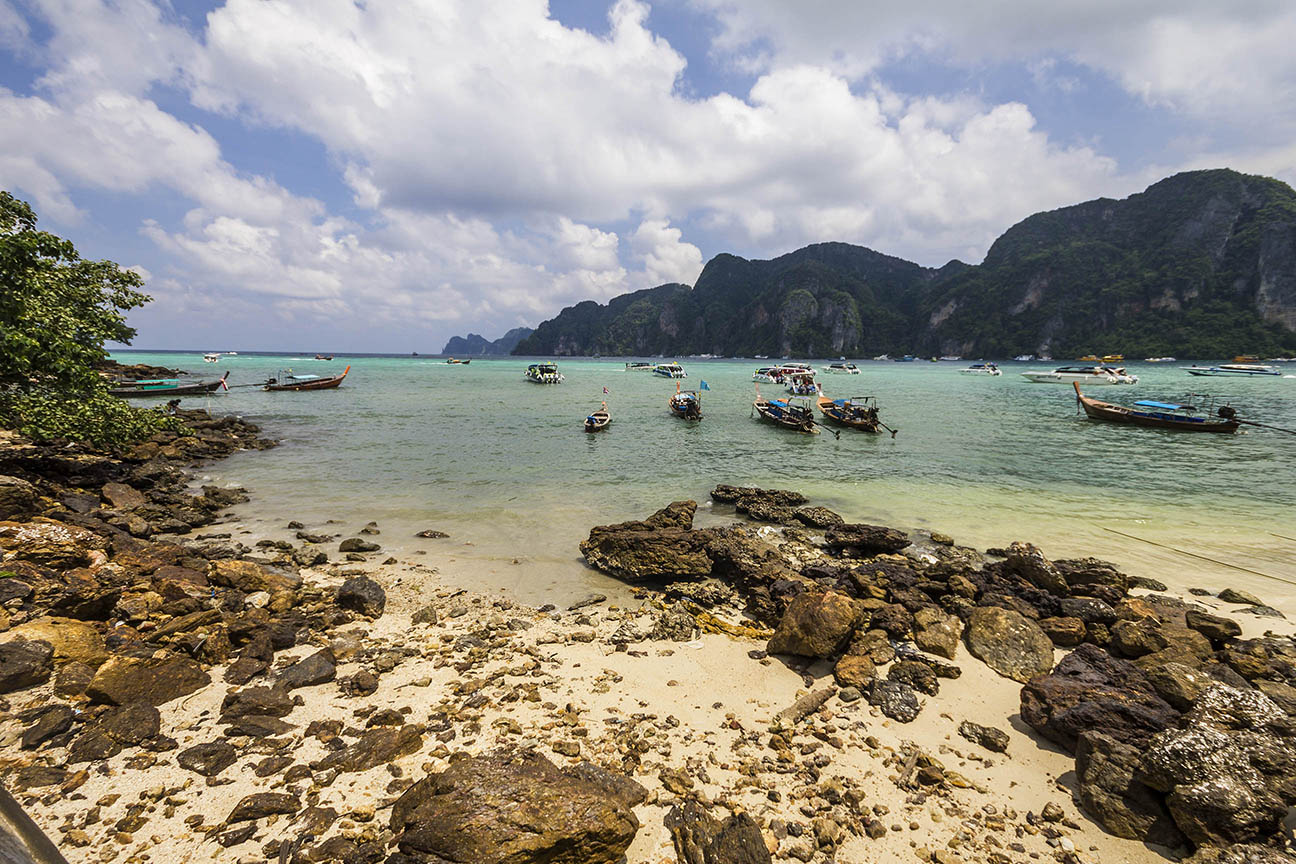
(605, 391)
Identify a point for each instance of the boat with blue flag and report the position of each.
(686, 404)
(1160, 415)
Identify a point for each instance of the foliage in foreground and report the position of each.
(56, 311)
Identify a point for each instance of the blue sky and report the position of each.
(317, 174)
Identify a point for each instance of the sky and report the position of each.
(378, 175)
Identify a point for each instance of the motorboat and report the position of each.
(981, 369)
(1028, 358)
(685, 404)
(1113, 358)
(1090, 358)
(842, 369)
(1091, 376)
(450, 361)
(857, 412)
(801, 385)
(1159, 360)
(670, 370)
(640, 366)
(882, 357)
(950, 357)
(779, 374)
(1245, 370)
(1159, 415)
(792, 413)
(165, 387)
(286, 381)
(543, 373)
(908, 358)
(211, 358)
(598, 420)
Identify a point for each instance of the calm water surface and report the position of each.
(504, 467)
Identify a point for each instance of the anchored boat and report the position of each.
(686, 404)
(843, 369)
(981, 369)
(857, 412)
(165, 387)
(1159, 415)
(287, 381)
(1090, 375)
(792, 413)
(670, 370)
(639, 366)
(1245, 370)
(543, 373)
(599, 420)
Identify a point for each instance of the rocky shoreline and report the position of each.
(787, 687)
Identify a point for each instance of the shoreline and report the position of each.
(440, 671)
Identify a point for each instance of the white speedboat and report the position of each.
(1245, 370)
(1159, 360)
(951, 357)
(882, 357)
(779, 374)
(543, 373)
(1024, 358)
(670, 370)
(842, 369)
(639, 366)
(211, 358)
(1092, 376)
(981, 369)
(801, 385)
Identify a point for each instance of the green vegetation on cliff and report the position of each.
(1201, 264)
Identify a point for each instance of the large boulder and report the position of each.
(122, 497)
(863, 541)
(364, 595)
(48, 542)
(507, 808)
(1090, 690)
(1147, 636)
(1009, 643)
(1216, 628)
(776, 497)
(17, 497)
(374, 747)
(250, 577)
(1228, 770)
(1029, 563)
(816, 625)
(72, 640)
(25, 664)
(700, 838)
(663, 546)
(937, 632)
(152, 680)
(1109, 792)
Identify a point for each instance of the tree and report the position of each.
(56, 311)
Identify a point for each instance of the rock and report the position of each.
(47, 542)
(1063, 632)
(126, 725)
(507, 807)
(122, 497)
(426, 615)
(156, 681)
(864, 541)
(1030, 564)
(1092, 690)
(358, 544)
(936, 632)
(663, 546)
(675, 624)
(994, 740)
(916, 674)
(1232, 595)
(1178, 684)
(318, 668)
(52, 720)
(17, 497)
(854, 670)
(1088, 609)
(1216, 628)
(818, 517)
(895, 699)
(250, 577)
(363, 595)
(1148, 636)
(432, 534)
(262, 804)
(374, 747)
(1146, 584)
(1283, 695)
(208, 759)
(25, 664)
(1227, 771)
(804, 707)
(255, 702)
(766, 511)
(1009, 643)
(874, 644)
(1238, 853)
(733, 494)
(816, 625)
(701, 839)
(363, 683)
(1108, 791)
(619, 787)
(72, 640)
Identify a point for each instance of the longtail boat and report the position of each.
(791, 413)
(165, 387)
(686, 404)
(1159, 415)
(304, 382)
(857, 412)
(599, 420)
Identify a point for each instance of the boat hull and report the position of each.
(316, 384)
(1087, 380)
(1120, 414)
(181, 390)
(777, 416)
(843, 416)
(598, 421)
(1237, 373)
(685, 408)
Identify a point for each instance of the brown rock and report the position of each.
(937, 632)
(73, 641)
(374, 747)
(815, 625)
(1064, 632)
(1009, 643)
(122, 497)
(854, 670)
(250, 577)
(48, 542)
(155, 681)
(1029, 563)
(263, 804)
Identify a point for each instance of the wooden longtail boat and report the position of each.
(857, 412)
(305, 383)
(165, 387)
(1158, 415)
(599, 420)
(686, 404)
(791, 413)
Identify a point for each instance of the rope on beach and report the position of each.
(1284, 537)
(1202, 557)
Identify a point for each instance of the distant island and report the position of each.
(473, 345)
(1201, 264)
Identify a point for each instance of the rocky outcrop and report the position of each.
(154, 681)
(661, 547)
(1106, 773)
(1009, 643)
(510, 807)
(700, 838)
(816, 625)
(25, 664)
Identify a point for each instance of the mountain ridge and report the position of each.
(474, 345)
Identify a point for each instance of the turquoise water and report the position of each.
(504, 466)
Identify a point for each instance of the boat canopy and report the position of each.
(1167, 406)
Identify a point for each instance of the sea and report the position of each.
(504, 467)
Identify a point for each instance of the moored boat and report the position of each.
(639, 366)
(288, 382)
(1160, 360)
(1090, 375)
(1158, 415)
(1028, 358)
(1245, 370)
(792, 413)
(450, 361)
(1113, 358)
(598, 420)
(323, 356)
(779, 374)
(801, 385)
(165, 387)
(908, 358)
(686, 404)
(213, 357)
(670, 370)
(543, 373)
(949, 357)
(857, 412)
(1090, 358)
(842, 369)
(981, 369)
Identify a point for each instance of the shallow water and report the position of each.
(504, 467)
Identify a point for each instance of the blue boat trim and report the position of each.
(1169, 406)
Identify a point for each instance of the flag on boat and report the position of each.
(605, 391)
(703, 385)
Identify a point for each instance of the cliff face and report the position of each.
(472, 344)
(1199, 264)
